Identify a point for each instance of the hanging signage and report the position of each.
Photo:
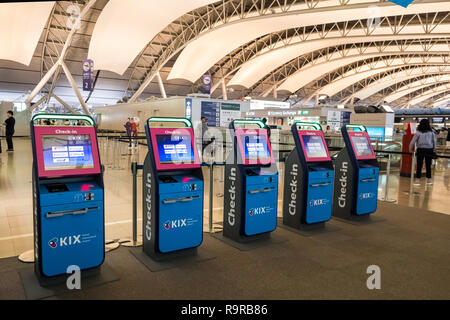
(206, 84)
(88, 75)
(188, 108)
(403, 3)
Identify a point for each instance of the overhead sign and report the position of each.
(229, 112)
(211, 111)
(264, 104)
(188, 108)
(88, 75)
(403, 3)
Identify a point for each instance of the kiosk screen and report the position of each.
(256, 148)
(173, 149)
(362, 147)
(66, 152)
(314, 147)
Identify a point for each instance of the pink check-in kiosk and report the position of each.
(68, 195)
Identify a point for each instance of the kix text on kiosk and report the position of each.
(309, 177)
(68, 195)
(251, 184)
(172, 190)
(356, 176)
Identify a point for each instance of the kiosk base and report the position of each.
(54, 281)
(310, 230)
(35, 290)
(172, 262)
(252, 243)
(360, 220)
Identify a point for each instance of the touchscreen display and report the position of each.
(174, 149)
(66, 152)
(314, 147)
(362, 146)
(255, 148)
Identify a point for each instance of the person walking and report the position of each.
(134, 130)
(127, 126)
(425, 142)
(10, 122)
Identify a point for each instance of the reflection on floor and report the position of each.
(16, 202)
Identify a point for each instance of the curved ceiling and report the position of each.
(256, 68)
(442, 101)
(308, 74)
(429, 94)
(414, 86)
(21, 26)
(399, 77)
(124, 28)
(234, 34)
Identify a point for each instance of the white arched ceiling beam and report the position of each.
(348, 80)
(234, 34)
(326, 64)
(279, 15)
(421, 92)
(440, 102)
(21, 26)
(267, 61)
(409, 77)
(429, 102)
(346, 75)
(428, 94)
(414, 86)
(124, 28)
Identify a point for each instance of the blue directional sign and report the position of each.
(403, 3)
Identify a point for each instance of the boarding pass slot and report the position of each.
(316, 185)
(368, 180)
(185, 199)
(261, 190)
(70, 212)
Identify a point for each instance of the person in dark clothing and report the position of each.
(425, 141)
(10, 122)
(267, 127)
(128, 126)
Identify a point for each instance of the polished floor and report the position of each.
(16, 202)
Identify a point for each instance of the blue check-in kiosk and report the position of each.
(356, 176)
(172, 190)
(68, 196)
(251, 184)
(309, 177)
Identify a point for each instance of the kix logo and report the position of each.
(364, 196)
(257, 211)
(65, 241)
(403, 3)
(318, 202)
(180, 223)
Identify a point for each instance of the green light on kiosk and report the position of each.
(257, 122)
(187, 122)
(315, 125)
(63, 117)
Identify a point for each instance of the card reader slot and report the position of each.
(256, 191)
(175, 200)
(368, 180)
(56, 214)
(316, 185)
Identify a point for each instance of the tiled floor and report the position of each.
(16, 203)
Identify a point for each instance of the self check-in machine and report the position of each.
(251, 184)
(172, 190)
(309, 177)
(356, 175)
(68, 195)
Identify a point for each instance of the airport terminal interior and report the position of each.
(233, 149)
